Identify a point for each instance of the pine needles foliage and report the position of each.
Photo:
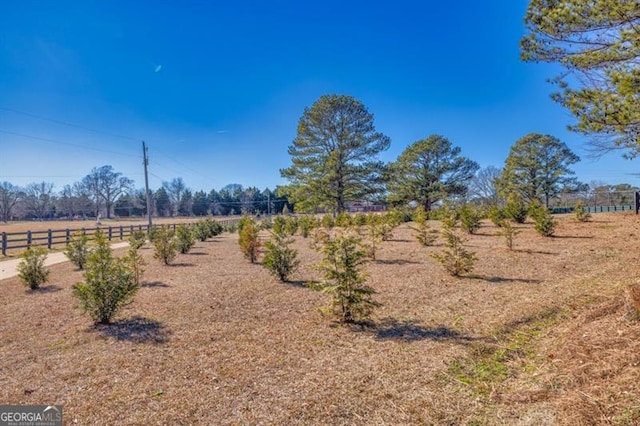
(108, 283)
(344, 279)
(77, 249)
(31, 269)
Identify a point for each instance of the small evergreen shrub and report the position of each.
(153, 231)
(291, 225)
(455, 258)
(244, 220)
(215, 228)
(137, 239)
(342, 268)
(184, 239)
(327, 221)
(509, 233)
(201, 231)
(77, 249)
(470, 218)
(516, 210)
(424, 234)
(249, 240)
(581, 212)
(544, 223)
(376, 229)
(108, 283)
(165, 247)
(343, 220)
(279, 258)
(279, 224)
(135, 263)
(360, 219)
(497, 215)
(306, 224)
(266, 223)
(31, 270)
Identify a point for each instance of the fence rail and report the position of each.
(60, 237)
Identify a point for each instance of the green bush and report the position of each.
(165, 247)
(279, 224)
(291, 227)
(137, 239)
(581, 212)
(360, 219)
(306, 224)
(343, 220)
(516, 210)
(544, 223)
(509, 233)
(344, 257)
(327, 221)
(455, 258)
(201, 231)
(77, 249)
(108, 283)
(184, 238)
(470, 218)
(135, 262)
(249, 240)
(31, 270)
(424, 234)
(153, 231)
(497, 215)
(279, 258)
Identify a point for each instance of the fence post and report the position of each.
(49, 239)
(28, 239)
(110, 233)
(4, 243)
(637, 198)
(68, 236)
(120, 231)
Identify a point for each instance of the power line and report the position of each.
(65, 123)
(195, 172)
(66, 143)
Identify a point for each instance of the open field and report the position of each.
(539, 335)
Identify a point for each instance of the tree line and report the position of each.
(105, 192)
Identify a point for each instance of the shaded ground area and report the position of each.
(538, 335)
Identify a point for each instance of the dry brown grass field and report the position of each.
(541, 335)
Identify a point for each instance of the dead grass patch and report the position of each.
(219, 341)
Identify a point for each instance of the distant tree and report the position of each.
(483, 186)
(163, 203)
(429, 170)
(39, 199)
(200, 205)
(106, 185)
(186, 203)
(174, 190)
(537, 168)
(9, 196)
(75, 200)
(598, 43)
(334, 155)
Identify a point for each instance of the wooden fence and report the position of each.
(52, 238)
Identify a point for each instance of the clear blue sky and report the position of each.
(216, 88)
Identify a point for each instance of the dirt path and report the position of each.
(9, 268)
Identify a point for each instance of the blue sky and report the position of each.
(216, 88)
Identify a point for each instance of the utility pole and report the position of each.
(145, 157)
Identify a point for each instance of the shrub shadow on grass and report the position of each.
(529, 251)
(180, 265)
(154, 284)
(569, 237)
(197, 253)
(395, 262)
(412, 330)
(302, 283)
(46, 289)
(136, 330)
(500, 279)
